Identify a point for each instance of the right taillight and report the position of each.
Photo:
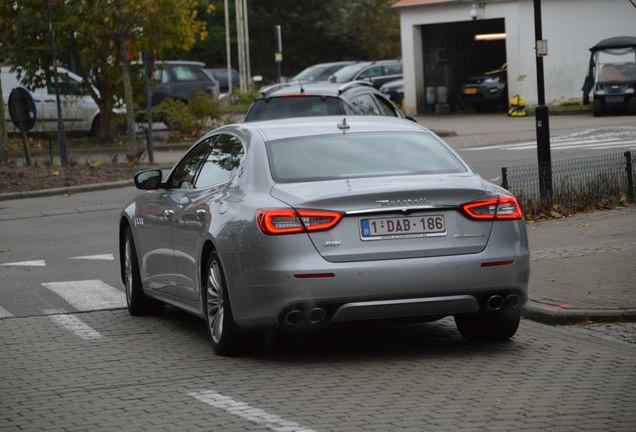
(502, 207)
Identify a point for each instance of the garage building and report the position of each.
(446, 41)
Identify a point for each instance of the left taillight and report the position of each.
(289, 221)
(502, 207)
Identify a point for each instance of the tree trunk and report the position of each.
(4, 140)
(128, 99)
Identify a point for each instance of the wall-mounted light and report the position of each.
(476, 9)
(490, 36)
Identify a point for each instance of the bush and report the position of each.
(190, 118)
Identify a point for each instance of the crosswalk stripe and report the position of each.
(106, 257)
(245, 411)
(88, 294)
(574, 145)
(4, 313)
(37, 263)
(76, 325)
(559, 145)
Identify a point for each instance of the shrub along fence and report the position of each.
(577, 184)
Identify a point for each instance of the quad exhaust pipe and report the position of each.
(311, 316)
(497, 302)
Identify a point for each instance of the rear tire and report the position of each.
(597, 108)
(223, 332)
(498, 327)
(138, 303)
(631, 106)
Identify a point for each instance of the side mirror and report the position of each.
(148, 180)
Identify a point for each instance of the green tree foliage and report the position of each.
(314, 31)
(366, 26)
(97, 39)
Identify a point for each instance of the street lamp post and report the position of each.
(541, 113)
(61, 134)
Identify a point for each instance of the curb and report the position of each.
(550, 315)
(66, 190)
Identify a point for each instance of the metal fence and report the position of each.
(577, 184)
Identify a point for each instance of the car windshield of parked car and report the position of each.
(360, 155)
(294, 106)
(348, 72)
(312, 73)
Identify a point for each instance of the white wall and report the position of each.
(571, 27)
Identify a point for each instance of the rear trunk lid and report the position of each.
(394, 217)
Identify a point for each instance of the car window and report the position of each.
(360, 155)
(371, 72)
(347, 73)
(387, 107)
(161, 76)
(219, 166)
(68, 86)
(184, 73)
(290, 107)
(393, 69)
(366, 104)
(185, 172)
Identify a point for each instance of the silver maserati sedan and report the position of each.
(307, 222)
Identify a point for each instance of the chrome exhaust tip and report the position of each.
(495, 302)
(294, 317)
(512, 301)
(316, 315)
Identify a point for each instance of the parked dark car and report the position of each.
(220, 74)
(319, 72)
(376, 72)
(311, 222)
(179, 80)
(394, 90)
(320, 99)
(488, 91)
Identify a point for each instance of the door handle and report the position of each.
(168, 214)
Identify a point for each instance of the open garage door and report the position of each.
(457, 53)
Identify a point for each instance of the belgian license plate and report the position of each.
(402, 227)
(471, 90)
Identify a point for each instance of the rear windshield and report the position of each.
(294, 106)
(360, 155)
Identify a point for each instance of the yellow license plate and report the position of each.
(471, 90)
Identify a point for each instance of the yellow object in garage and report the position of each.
(517, 107)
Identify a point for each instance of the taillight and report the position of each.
(289, 221)
(494, 208)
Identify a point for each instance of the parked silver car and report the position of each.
(305, 222)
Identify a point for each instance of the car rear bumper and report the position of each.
(352, 291)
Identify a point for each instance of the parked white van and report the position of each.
(79, 110)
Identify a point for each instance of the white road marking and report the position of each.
(4, 313)
(88, 294)
(37, 263)
(76, 325)
(560, 145)
(243, 410)
(105, 257)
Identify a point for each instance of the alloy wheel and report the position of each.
(215, 308)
